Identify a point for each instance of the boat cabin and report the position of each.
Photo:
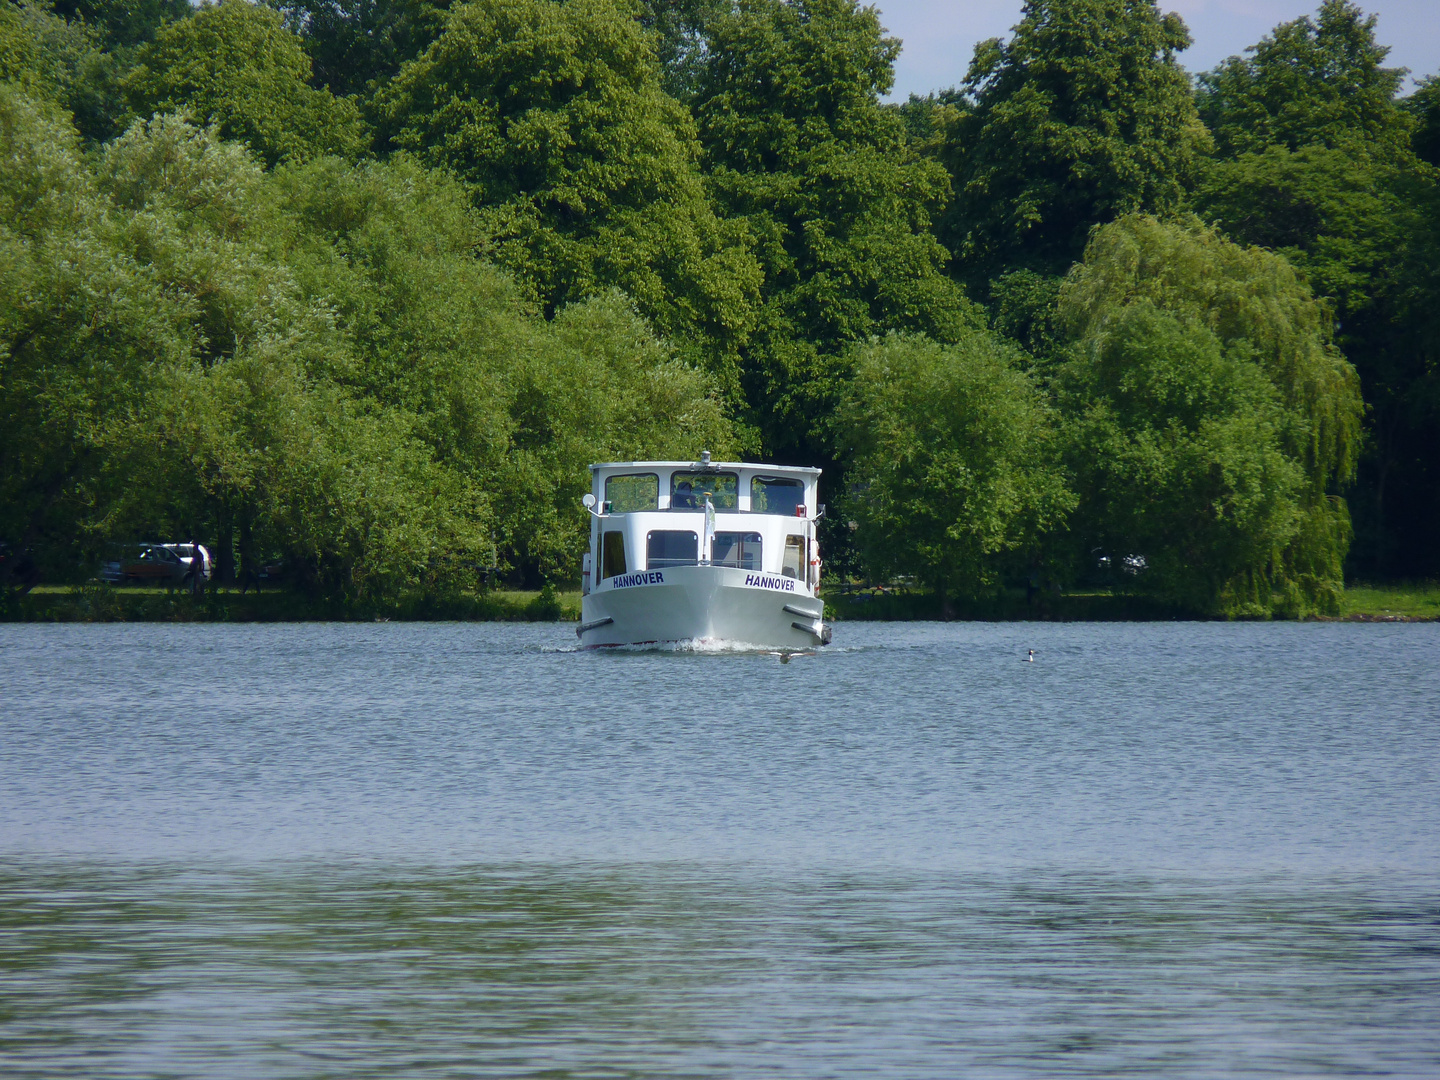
(651, 515)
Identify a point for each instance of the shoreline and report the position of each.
(1400, 602)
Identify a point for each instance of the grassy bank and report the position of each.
(1394, 602)
(1011, 606)
(140, 603)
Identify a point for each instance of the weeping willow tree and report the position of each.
(1212, 423)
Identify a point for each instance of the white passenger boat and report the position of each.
(703, 552)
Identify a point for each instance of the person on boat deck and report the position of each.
(684, 496)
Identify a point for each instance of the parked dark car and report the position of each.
(170, 564)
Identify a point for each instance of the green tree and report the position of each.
(1025, 307)
(1424, 106)
(518, 405)
(162, 373)
(235, 65)
(1176, 446)
(306, 363)
(1308, 81)
(124, 23)
(256, 448)
(80, 326)
(598, 385)
(958, 460)
(1401, 471)
(584, 169)
(1341, 217)
(1318, 165)
(40, 51)
(64, 62)
(357, 45)
(1085, 114)
(798, 144)
(1211, 420)
(680, 29)
(388, 247)
(310, 420)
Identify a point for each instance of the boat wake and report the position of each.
(707, 646)
(697, 646)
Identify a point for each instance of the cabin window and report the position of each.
(688, 490)
(612, 554)
(671, 547)
(737, 549)
(794, 563)
(632, 492)
(775, 495)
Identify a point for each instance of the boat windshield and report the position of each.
(737, 549)
(671, 547)
(688, 490)
(775, 495)
(632, 492)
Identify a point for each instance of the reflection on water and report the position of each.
(663, 970)
(455, 851)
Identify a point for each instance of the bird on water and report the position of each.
(1031, 658)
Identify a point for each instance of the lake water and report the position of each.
(409, 850)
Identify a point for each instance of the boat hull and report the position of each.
(707, 604)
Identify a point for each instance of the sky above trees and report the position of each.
(939, 35)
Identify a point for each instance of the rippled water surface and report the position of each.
(448, 850)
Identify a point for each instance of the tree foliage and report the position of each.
(364, 285)
(798, 146)
(1084, 114)
(680, 29)
(124, 23)
(1308, 81)
(40, 51)
(65, 62)
(521, 404)
(234, 65)
(307, 363)
(585, 171)
(357, 45)
(956, 461)
(1318, 164)
(1211, 419)
(1424, 106)
(79, 326)
(1339, 217)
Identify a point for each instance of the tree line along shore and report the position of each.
(358, 288)
(93, 602)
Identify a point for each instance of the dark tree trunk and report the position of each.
(249, 572)
(20, 567)
(225, 549)
(947, 609)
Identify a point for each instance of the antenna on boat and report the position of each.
(704, 457)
